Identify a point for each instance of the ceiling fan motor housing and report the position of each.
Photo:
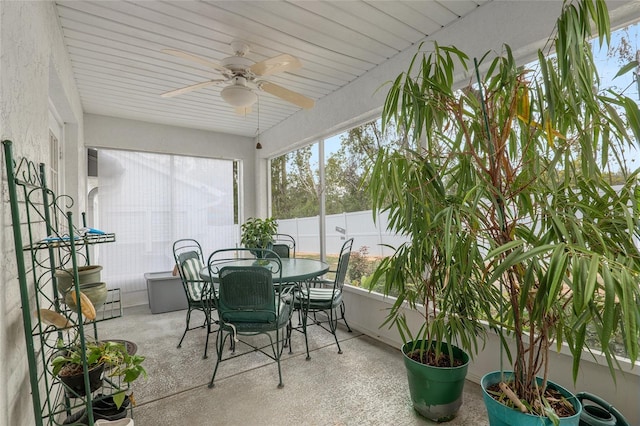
(237, 63)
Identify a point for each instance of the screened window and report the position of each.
(339, 170)
(151, 200)
(295, 198)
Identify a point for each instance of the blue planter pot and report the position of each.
(501, 415)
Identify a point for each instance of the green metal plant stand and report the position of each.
(47, 241)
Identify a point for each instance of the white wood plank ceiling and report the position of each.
(120, 69)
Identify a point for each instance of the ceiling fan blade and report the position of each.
(195, 58)
(276, 64)
(286, 94)
(191, 88)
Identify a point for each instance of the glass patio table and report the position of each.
(293, 270)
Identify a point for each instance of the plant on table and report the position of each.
(507, 204)
(258, 233)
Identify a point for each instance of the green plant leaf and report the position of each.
(625, 69)
(592, 276)
(118, 399)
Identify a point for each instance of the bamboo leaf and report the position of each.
(625, 69)
(556, 274)
(603, 22)
(516, 257)
(630, 316)
(579, 277)
(576, 349)
(592, 276)
(633, 116)
(608, 310)
(511, 245)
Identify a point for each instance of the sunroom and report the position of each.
(81, 85)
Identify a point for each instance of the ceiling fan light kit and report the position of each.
(239, 95)
(242, 73)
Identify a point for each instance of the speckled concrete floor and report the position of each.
(366, 385)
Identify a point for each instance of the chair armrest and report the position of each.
(286, 291)
(321, 282)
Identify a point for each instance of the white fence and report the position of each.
(359, 225)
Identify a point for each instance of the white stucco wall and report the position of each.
(34, 66)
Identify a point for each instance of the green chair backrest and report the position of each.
(188, 256)
(282, 250)
(246, 294)
(343, 264)
(284, 243)
(191, 268)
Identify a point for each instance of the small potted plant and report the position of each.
(111, 358)
(258, 233)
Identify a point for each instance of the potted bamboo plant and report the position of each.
(518, 220)
(429, 274)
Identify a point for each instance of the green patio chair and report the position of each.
(200, 293)
(248, 303)
(325, 296)
(284, 245)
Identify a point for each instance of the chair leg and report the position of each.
(304, 331)
(209, 322)
(206, 343)
(333, 325)
(280, 385)
(219, 348)
(277, 353)
(342, 310)
(206, 347)
(287, 341)
(186, 328)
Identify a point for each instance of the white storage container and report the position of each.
(165, 292)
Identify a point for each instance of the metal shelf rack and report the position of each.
(46, 240)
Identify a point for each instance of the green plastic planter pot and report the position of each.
(436, 392)
(501, 415)
(599, 412)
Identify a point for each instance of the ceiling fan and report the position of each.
(243, 74)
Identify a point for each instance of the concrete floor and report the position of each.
(366, 385)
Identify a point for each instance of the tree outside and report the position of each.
(294, 185)
(295, 180)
